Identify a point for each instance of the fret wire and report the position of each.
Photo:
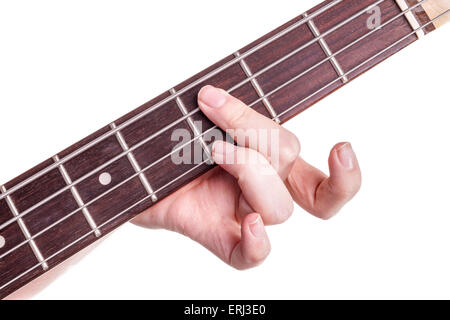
(336, 65)
(258, 89)
(187, 172)
(170, 98)
(193, 127)
(181, 147)
(184, 118)
(77, 197)
(134, 163)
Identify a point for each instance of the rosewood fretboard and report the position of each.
(68, 202)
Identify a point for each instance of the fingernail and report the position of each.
(212, 97)
(257, 228)
(222, 150)
(346, 156)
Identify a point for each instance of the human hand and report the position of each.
(226, 209)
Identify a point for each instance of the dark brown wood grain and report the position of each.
(129, 197)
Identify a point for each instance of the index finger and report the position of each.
(249, 128)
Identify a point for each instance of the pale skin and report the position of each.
(228, 209)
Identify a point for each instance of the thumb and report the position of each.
(254, 246)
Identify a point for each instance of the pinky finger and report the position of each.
(321, 195)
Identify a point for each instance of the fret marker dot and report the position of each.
(105, 178)
(2, 242)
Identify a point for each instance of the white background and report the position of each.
(68, 68)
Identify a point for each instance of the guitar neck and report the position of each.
(84, 192)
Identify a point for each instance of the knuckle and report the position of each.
(238, 116)
(282, 214)
(346, 193)
(290, 150)
(287, 212)
(343, 194)
(253, 163)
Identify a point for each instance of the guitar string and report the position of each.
(12, 220)
(151, 137)
(181, 91)
(206, 161)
